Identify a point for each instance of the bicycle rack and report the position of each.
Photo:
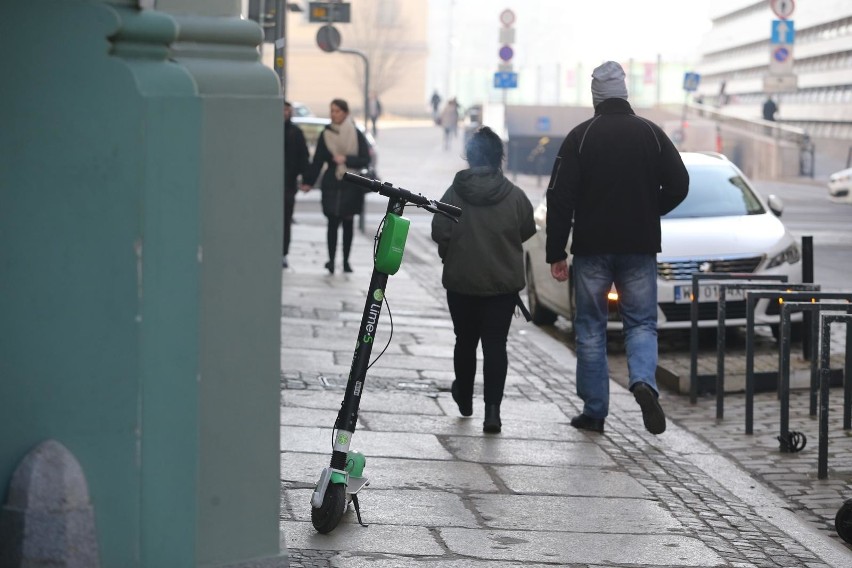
(693, 311)
(820, 381)
(720, 337)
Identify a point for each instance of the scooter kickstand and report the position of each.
(358, 510)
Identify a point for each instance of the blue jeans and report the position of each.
(635, 279)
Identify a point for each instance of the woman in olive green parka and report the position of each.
(483, 269)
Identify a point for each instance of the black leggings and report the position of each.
(485, 318)
(289, 203)
(333, 223)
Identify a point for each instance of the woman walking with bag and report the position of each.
(341, 147)
(483, 269)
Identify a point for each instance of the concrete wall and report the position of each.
(760, 157)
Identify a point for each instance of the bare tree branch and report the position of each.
(378, 30)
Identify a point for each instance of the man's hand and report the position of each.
(559, 270)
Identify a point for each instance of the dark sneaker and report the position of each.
(652, 412)
(465, 406)
(583, 422)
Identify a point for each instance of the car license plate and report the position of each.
(708, 293)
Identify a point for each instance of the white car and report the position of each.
(722, 226)
(840, 186)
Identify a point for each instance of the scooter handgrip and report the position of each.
(366, 183)
(448, 209)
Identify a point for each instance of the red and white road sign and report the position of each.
(783, 8)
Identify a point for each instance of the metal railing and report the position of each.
(778, 131)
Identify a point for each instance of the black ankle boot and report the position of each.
(492, 423)
(330, 266)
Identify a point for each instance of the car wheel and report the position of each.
(540, 314)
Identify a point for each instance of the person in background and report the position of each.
(769, 109)
(483, 269)
(340, 147)
(613, 178)
(374, 110)
(450, 121)
(435, 101)
(295, 164)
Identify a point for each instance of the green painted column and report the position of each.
(241, 231)
(140, 222)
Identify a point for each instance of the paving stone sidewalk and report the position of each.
(541, 493)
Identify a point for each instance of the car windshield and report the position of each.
(716, 192)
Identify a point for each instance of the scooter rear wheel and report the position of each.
(328, 515)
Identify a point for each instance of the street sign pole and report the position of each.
(781, 77)
(505, 78)
(281, 43)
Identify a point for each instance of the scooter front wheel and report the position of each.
(328, 515)
(843, 521)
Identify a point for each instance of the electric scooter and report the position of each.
(339, 484)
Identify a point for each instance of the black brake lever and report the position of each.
(433, 210)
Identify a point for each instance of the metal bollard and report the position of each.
(807, 277)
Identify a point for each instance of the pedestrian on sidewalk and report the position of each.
(374, 110)
(450, 122)
(295, 164)
(341, 147)
(483, 269)
(613, 178)
(435, 101)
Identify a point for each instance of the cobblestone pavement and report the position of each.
(739, 532)
(792, 475)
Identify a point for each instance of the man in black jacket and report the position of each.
(295, 164)
(613, 178)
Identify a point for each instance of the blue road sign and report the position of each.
(690, 81)
(505, 80)
(543, 124)
(783, 31)
(781, 54)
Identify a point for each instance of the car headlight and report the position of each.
(789, 255)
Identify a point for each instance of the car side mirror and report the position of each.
(776, 205)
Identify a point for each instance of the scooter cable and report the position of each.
(387, 304)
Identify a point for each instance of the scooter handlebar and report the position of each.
(389, 190)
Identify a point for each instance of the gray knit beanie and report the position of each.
(608, 82)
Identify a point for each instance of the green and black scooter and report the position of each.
(339, 483)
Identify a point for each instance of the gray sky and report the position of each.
(553, 38)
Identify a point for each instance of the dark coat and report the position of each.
(339, 198)
(295, 156)
(482, 253)
(613, 178)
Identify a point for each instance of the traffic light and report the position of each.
(265, 20)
